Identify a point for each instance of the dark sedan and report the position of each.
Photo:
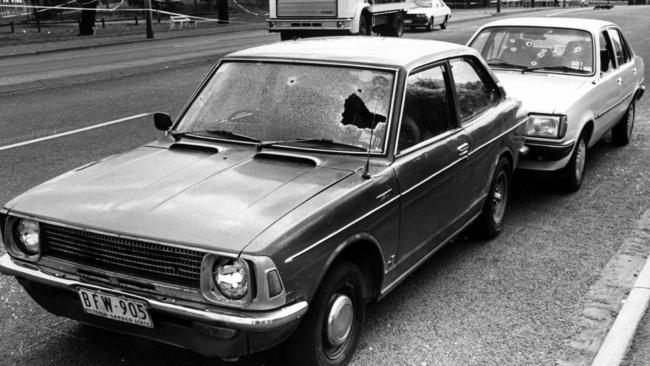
(302, 180)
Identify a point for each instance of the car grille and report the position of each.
(134, 257)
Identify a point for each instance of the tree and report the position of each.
(87, 21)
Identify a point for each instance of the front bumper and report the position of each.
(246, 332)
(309, 25)
(414, 21)
(548, 151)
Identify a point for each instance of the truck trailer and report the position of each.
(308, 18)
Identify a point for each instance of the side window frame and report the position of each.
(453, 113)
(610, 31)
(627, 50)
(610, 49)
(483, 74)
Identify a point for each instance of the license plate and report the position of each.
(115, 307)
(407, 21)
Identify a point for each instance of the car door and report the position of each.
(431, 155)
(609, 86)
(626, 79)
(484, 119)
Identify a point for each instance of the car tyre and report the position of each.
(574, 172)
(443, 25)
(364, 26)
(430, 25)
(490, 222)
(622, 132)
(329, 332)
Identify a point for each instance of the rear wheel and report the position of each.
(490, 222)
(443, 25)
(430, 25)
(329, 333)
(573, 174)
(397, 28)
(622, 132)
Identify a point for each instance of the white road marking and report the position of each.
(57, 135)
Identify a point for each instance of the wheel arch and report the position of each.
(361, 10)
(364, 251)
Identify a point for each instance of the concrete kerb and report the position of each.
(617, 342)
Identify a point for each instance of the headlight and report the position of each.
(231, 277)
(540, 125)
(29, 235)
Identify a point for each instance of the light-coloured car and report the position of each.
(427, 14)
(579, 79)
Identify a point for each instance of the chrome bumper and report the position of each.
(257, 321)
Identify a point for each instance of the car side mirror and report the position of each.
(162, 121)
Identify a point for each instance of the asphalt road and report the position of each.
(515, 300)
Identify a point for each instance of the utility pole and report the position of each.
(147, 4)
(498, 6)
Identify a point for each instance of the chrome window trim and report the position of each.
(439, 63)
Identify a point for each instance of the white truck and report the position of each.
(304, 18)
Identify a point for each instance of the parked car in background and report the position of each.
(302, 180)
(579, 79)
(427, 14)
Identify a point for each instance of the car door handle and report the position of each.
(463, 149)
(634, 71)
(619, 81)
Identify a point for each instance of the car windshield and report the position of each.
(321, 107)
(423, 3)
(537, 49)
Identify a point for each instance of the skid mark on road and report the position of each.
(62, 134)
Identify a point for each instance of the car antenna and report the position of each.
(373, 124)
(366, 168)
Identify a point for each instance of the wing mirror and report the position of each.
(162, 121)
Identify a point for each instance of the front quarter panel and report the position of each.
(304, 243)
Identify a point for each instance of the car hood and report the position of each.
(541, 92)
(219, 201)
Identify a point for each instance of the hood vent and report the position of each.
(195, 146)
(292, 159)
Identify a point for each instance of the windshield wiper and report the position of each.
(320, 141)
(223, 133)
(506, 64)
(554, 68)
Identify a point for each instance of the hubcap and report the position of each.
(580, 159)
(339, 320)
(499, 198)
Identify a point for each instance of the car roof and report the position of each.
(382, 51)
(591, 25)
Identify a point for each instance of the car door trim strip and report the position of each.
(615, 105)
(293, 257)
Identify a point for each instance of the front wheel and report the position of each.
(329, 333)
(430, 25)
(622, 132)
(574, 172)
(364, 26)
(490, 222)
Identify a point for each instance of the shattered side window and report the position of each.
(280, 101)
